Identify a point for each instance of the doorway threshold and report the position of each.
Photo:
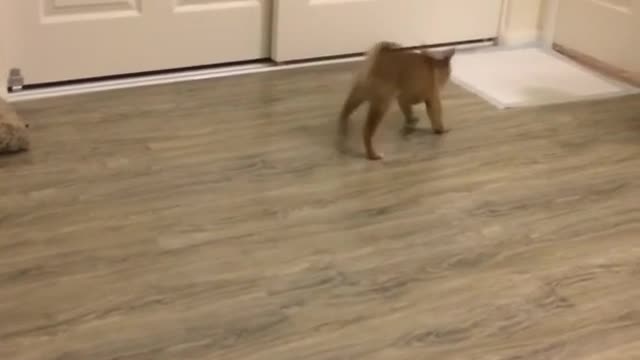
(201, 73)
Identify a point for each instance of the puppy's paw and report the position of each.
(411, 122)
(408, 130)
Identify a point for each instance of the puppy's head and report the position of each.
(13, 131)
(14, 121)
(13, 138)
(442, 64)
(8, 115)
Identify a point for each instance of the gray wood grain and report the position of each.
(215, 220)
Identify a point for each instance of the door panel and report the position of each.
(73, 39)
(317, 28)
(607, 30)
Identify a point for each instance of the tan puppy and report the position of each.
(390, 72)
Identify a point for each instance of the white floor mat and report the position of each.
(522, 77)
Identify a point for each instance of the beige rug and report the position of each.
(521, 77)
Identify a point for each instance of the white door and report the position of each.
(319, 28)
(607, 30)
(58, 40)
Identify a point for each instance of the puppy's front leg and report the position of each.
(434, 110)
(353, 101)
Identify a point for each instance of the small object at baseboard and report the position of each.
(15, 81)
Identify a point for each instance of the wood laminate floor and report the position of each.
(214, 220)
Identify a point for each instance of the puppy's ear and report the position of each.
(448, 54)
(443, 55)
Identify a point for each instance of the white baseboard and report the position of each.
(182, 76)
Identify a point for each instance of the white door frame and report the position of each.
(542, 35)
(549, 14)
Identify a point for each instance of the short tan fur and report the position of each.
(391, 72)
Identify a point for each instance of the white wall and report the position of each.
(4, 40)
(9, 39)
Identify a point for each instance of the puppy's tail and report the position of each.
(372, 57)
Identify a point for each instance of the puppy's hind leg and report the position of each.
(434, 111)
(353, 101)
(377, 110)
(410, 120)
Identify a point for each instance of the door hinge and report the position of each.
(15, 81)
